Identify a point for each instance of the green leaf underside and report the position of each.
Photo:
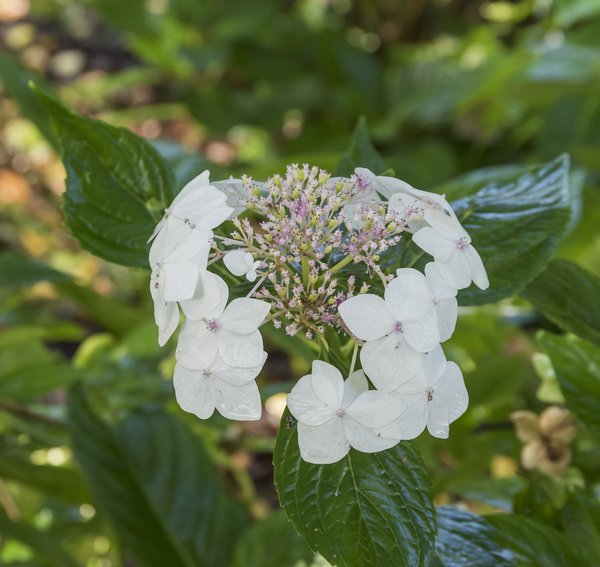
(569, 296)
(577, 366)
(465, 540)
(516, 226)
(535, 544)
(365, 510)
(117, 184)
(157, 485)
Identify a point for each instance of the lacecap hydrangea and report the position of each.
(318, 254)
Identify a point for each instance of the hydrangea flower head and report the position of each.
(312, 255)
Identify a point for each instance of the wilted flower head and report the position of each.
(547, 439)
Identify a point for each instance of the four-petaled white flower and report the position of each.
(450, 245)
(334, 415)
(434, 398)
(231, 332)
(198, 205)
(397, 329)
(231, 390)
(241, 263)
(444, 301)
(176, 266)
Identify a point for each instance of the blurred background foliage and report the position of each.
(447, 86)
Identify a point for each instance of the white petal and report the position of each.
(209, 299)
(456, 270)
(197, 346)
(244, 315)
(434, 243)
(251, 276)
(447, 314)
(412, 422)
(434, 366)
(478, 273)
(438, 421)
(439, 286)
(408, 296)
(188, 193)
(452, 389)
(376, 409)
(389, 361)
(306, 406)
(194, 247)
(323, 444)
(235, 261)
(366, 316)
(449, 401)
(238, 402)
(364, 439)
(327, 383)
(445, 225)
(194, 392)
(179, 280)
(354, 386)
(235, 375)
(166, 315)
(422, 335)
(245, 351)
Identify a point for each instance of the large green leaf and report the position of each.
(465, 539)
(577, 367)
(272, 542)
(581, 522)
(158, 487)
(117, 186)
(516, 226)
(535, 544)
(569, 296)
(361, 153)
(365, 510)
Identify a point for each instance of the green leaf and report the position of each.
(361, 153)
(534, 543)
(365, 510)
(157, 485)
(569, 296)
(581, 522)
(272, 542)
(44, 546)
(18, 271)
(577, 366)
(516, 225)
(117, 186)
(465, 539)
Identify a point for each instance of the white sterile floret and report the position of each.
(236, 193)
(450, 245)
(241, 263)
(176, 264)
(404, 199)
(198, 205)
(435, 397)
(334, 415)
(231, 390)
(397, 329)
(231, 332)
(444, 301)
